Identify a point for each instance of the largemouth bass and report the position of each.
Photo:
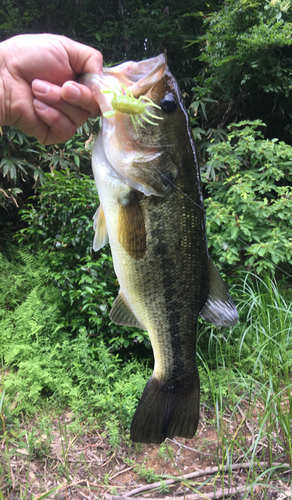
(151, 212)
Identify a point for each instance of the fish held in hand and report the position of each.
(151, 212)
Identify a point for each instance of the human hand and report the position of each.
(39, 95)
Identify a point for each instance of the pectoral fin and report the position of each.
(219, 308)
(131, 228)
(121, 313)
(99, 226)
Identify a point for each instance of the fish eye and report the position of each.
(168, 103)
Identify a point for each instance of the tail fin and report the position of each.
(165, 412)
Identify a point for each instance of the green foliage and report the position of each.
(142, 470)
(61, 226)
(15, 283)
(247, 54)
(43, 360)
(24, 161)
(28, 326)
(250, 199)
(62, 217)
(251, 364)
(121, 31)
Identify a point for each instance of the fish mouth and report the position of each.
(138, 77)
(133, 155)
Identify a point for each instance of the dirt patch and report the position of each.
(72, 464)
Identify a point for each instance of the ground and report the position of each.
(64, 460)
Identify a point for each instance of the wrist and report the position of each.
(6, 85)
(2, 87)
(13, 95)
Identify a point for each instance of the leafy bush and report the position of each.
(42, 358)
(250, 204)
(247, 55)
(60, 224)
(24, 161)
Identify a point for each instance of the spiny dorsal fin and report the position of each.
(99, 226)
(219, 308)
(121, 313)
(131, 228)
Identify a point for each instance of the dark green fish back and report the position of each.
(175, 277)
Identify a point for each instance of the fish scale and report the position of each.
(179, 279)
(152, 214)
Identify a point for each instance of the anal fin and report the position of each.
(121, 314)
(99, 226)
(219, 308)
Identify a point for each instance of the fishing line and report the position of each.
(246, 245)
(160, 173)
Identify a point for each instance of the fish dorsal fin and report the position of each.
(121, 314)
(99, 226)
(219, 308)
(131, 228)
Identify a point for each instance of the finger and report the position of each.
(60, 126)
(82, 57)
(79, 95)
(89, 62)
(51, 95)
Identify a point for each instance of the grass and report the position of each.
(267, 332)
(250, 379)
(246, 399)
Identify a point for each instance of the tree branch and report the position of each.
(192, 475)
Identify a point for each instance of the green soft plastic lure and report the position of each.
(124, 101)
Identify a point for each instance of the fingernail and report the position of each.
(40, 87)
(71, 92)
(40, 105)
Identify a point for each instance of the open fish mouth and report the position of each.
(129, 96)
(138, 77)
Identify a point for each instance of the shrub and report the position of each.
(247, 55)
(43, 360)
(24, 161)
(250, 204)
